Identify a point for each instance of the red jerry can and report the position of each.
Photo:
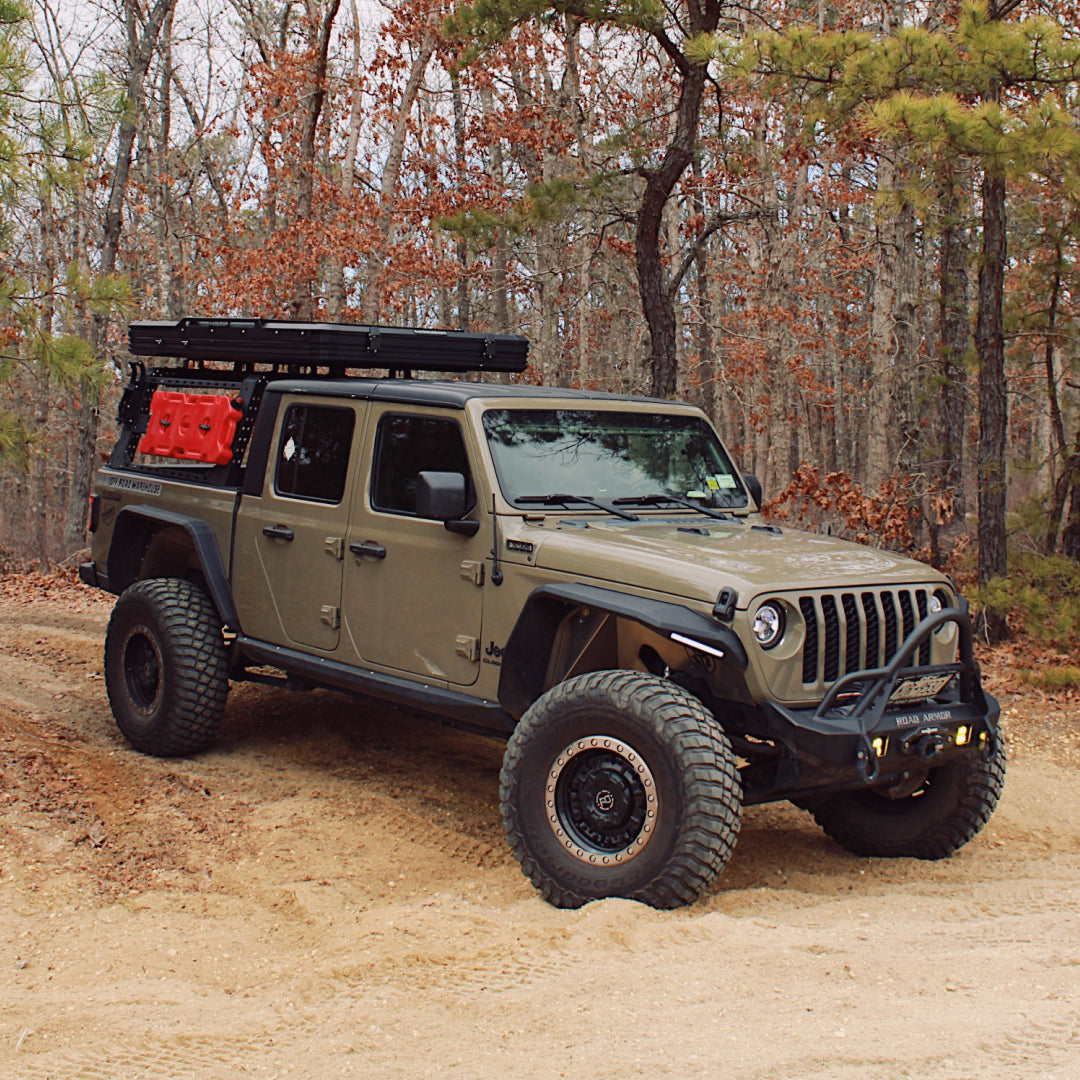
(197, 427)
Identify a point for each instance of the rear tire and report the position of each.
(166, 671)
(619, 783)
(951, 806)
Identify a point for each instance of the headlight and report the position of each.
(768, 625)
(940, 599)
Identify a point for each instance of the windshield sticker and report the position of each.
(723, 480)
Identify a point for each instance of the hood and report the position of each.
(695, 557)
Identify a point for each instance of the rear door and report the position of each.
(289, 545)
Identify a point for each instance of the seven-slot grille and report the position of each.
(851, 631)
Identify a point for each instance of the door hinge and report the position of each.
(336, 546)
(469, 647)
(331, 616)
(473, 571)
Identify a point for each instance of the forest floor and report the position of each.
(328, 894)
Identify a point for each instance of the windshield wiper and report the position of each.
(678, 500)
(587, 499)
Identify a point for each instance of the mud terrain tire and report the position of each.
(954, 802)
(166, 671)
(619, 783)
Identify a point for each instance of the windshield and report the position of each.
(610, 456)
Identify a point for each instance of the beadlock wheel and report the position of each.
(602, 800)
(142, 666)
(620, 783)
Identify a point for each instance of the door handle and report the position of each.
(278, 532)
(376, 551)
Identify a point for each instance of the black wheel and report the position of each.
(618, 783)
(165, 667)
(928, 818)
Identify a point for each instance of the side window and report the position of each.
(313, 452)
(405, 446)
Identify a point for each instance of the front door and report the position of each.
(290, 540)
(413, 589)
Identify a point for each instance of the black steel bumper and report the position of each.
(88, 575)
(879, 725)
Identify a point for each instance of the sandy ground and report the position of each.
(329, 895)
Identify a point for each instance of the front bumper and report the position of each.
(878, 726)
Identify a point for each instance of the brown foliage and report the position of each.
(839, 503)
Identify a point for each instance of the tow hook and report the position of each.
(926, 744)
(866, 762)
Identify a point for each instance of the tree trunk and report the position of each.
(657, 303)
(879, 458)
(703, 325)
(945, 515)
(1070, 538)
(335, 299)
(657, 297)
(500, 255)
(1057, 423)
(372, 303)
(319, 31)
(461, 247)
(993, 425)
(141, 48)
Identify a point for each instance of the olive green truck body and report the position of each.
(583, 574)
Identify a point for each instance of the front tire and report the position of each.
(941, 815)
(166, 671)
(619, 783)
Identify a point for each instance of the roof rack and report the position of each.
(249, 345)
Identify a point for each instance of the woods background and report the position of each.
(849, 231)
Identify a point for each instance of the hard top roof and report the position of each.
(448, 394)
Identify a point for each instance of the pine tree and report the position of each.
(998, 93)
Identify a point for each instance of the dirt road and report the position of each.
(329, 895)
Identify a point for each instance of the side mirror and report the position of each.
(444, 496)
(753, 485)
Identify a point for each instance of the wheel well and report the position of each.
(143, 548)
(170, 553)
(591, 640)
(563, 640)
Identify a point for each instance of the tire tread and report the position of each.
(191, 635)
(712, 794)
(978, 784)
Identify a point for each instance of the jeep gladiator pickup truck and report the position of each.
(584, 575)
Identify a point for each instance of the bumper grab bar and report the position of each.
(882, 680)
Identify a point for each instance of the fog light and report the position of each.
(963, 735)
(880, 745)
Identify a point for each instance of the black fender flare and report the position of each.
(528, 649)
(202, 540)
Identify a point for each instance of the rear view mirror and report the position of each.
(753, 485)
